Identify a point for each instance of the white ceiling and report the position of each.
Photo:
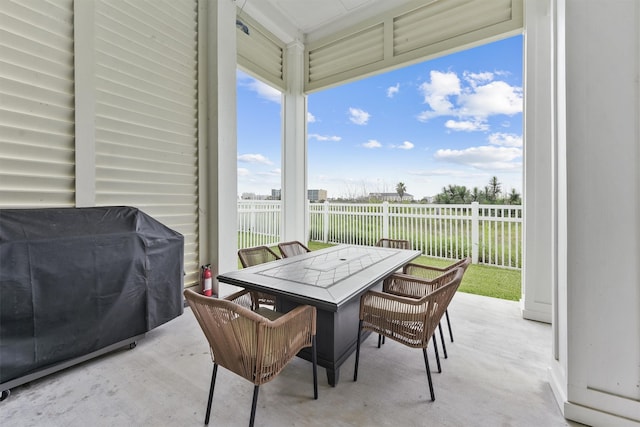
(313, 19)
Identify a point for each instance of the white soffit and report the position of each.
(307, 20)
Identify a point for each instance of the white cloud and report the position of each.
(372, 143)
(449, 173)
(310, 118)
(505, 139)
(406, 145)
(493, 98)
(254, 158)
(466, 125)
(392, 90)
(358, 116)
(273, 172)
(475, 78)
(437, 92)
(318, 137)
(484, 157)
(243, 172)
(470, 105)
(263, 90)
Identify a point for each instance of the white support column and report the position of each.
(219, 144)
(595, 374)
(294, 148)
(539, 171)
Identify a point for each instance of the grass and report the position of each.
(478, 279)
(484, 280)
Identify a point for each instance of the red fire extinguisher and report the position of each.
(206, 280)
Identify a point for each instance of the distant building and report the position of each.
(390, 197)
(317, 195)
(312, 195)
(254, 196)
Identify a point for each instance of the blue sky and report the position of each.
(451, 120)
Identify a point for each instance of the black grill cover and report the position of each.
(75, 280)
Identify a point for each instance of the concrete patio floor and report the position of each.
(496, 375)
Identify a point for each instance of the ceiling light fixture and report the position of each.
(241, 25)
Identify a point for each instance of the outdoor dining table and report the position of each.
(332, 280)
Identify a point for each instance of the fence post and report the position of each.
(252, 217)
(385, 220)
(475, 231)
(325, 222)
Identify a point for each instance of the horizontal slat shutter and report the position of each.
(359, 49)
(146, 113)
(37, 161)
(444, 20)
(417, 31)
(260, 52)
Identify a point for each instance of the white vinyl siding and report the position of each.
(37, 158)
(146, 103)
(415, 32)
(261, 53)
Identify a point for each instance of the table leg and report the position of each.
(333, 376)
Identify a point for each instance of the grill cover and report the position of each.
(75, 280)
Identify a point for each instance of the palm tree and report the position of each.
(462, 194)
(475, 195)
(514, 197)
(494, 188)
(401, 189)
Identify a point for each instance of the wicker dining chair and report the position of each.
(394, 243)
(416, 287)
(251, 345)
(429, 272)
(254, 256)
(293, 248)
(407, 320)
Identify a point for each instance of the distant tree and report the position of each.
(462, 195)
(453, 194)
(401, 189)
(494, 189)
(513, 198)
(490, 194)
(475, 195)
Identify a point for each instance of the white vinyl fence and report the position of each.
(489, 234)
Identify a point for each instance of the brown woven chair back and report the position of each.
(410, 321)
(293, 248)
(248, 344)
(256, 255)
(430, 272)
(416, 287)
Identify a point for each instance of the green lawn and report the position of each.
(484, 280)
(478, 279)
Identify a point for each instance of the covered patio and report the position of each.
(111, 103)
(496, 374)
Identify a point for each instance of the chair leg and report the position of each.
(426, 364)
(435, 348)
(444, 346)
(446, 313)
(379, 340)
(355, 371)
(254, 404)
(213, 383)
(314, 362)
